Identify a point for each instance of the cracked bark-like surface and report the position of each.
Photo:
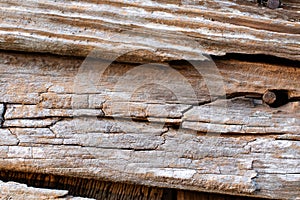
(235, 145)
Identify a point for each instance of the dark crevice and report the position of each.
(281, 97)
(102, 189)
(289, 138)
(169, 194)
(83, 187)
(262, 58)
(244, 94)
(276, 98)
(146, 149)
(174, 126)
(11, 132)
(238, 135)
(54, 123)
(294, 99)
(100, 147)
(2, 117)
(139, 119)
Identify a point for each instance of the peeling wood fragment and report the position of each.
(13, 190)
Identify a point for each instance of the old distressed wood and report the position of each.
(235, 145)
(174, 29)
(194, 96)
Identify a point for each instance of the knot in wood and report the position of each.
(269, 97)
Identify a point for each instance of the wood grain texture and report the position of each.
(12, 190)
(171, 29)
(164, 123)
(235, 145)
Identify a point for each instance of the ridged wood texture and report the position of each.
(218, 27)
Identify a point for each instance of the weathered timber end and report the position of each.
(162, 99)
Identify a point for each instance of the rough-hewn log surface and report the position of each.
(238, 145)
(213, 27)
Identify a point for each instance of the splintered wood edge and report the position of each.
(14, 190)
(171, 31)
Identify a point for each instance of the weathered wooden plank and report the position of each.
(169, 29)
(153, 138)
(59, 83)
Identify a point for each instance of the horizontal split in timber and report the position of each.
(170, 29)
(163, 125)
(90, 188)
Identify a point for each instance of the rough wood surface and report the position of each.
(235, 145)
(155, 125)
(212, 27)
(12, 190)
